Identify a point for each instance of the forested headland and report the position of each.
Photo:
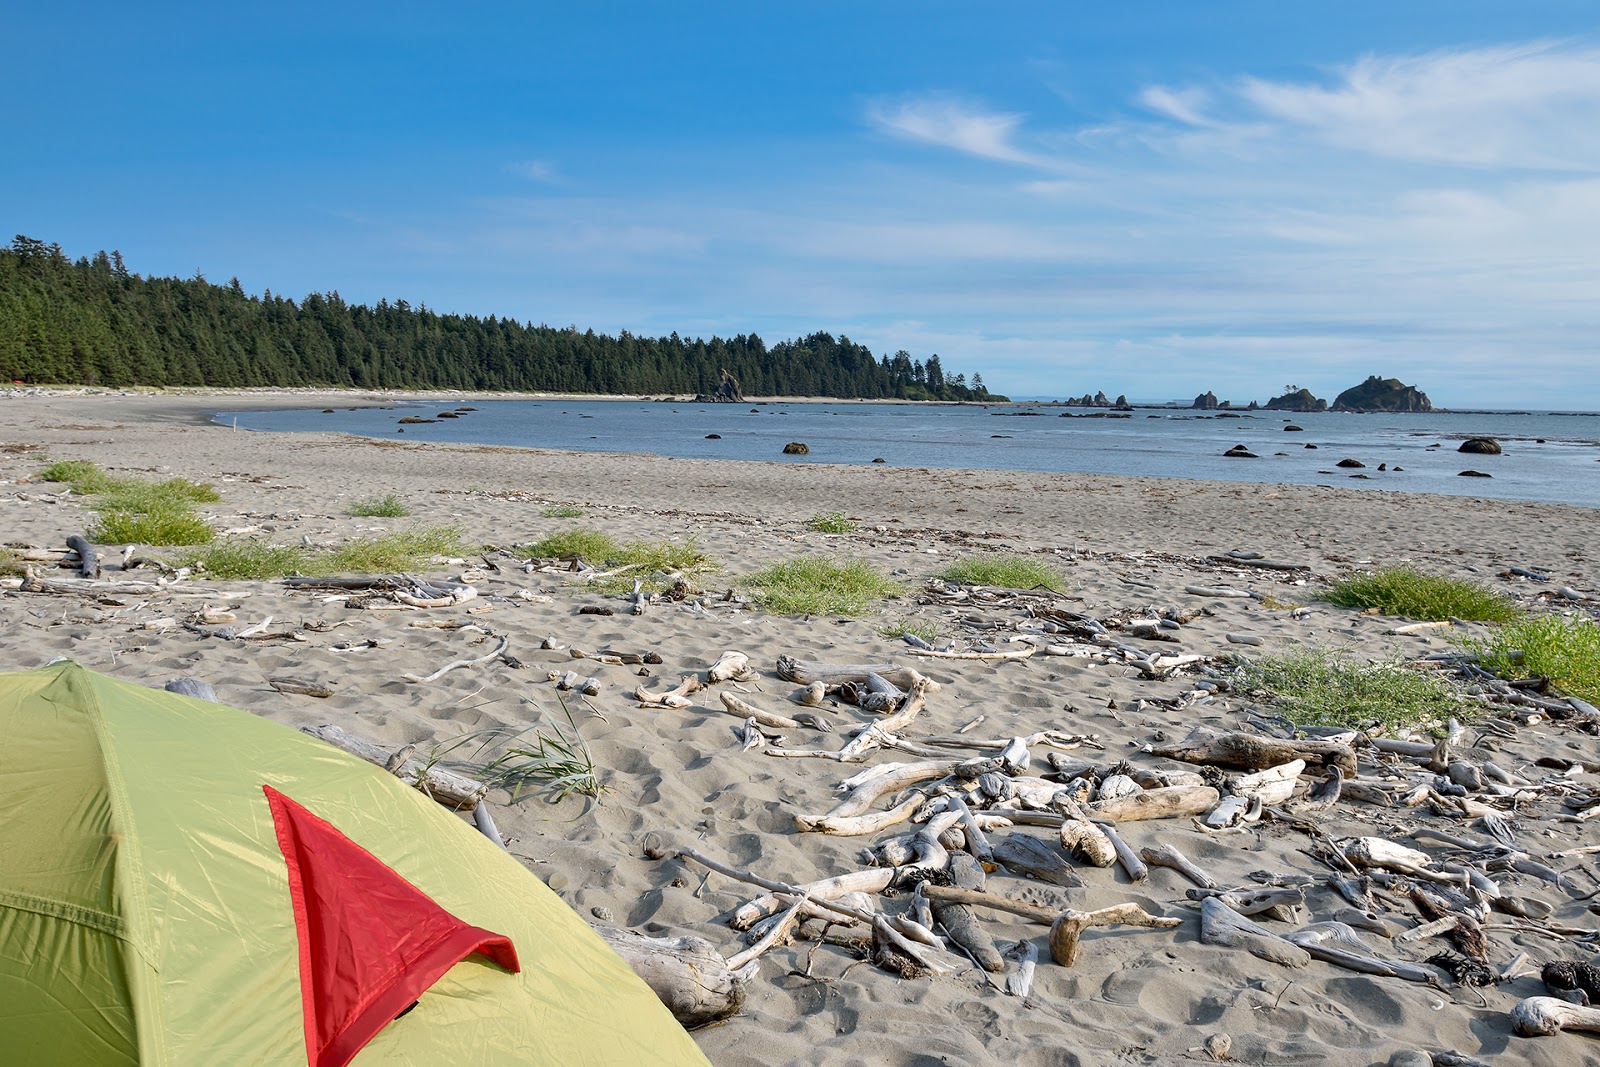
(92, 321)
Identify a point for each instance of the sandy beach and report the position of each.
(1126, 545)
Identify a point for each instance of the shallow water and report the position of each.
(1547, 457)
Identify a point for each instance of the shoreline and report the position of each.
(1130, 547)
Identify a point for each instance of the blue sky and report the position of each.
(1158, 200)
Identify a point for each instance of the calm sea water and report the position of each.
(1546, 457)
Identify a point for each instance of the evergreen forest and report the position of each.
(91, 321)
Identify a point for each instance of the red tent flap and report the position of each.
(370, 942)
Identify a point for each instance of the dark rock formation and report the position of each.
(1206, 401)
(1480, 446)
(1474, 474)
(727, 392)
(1099, 400)
(1382, 394)
(1292, 428)
(1350, 463)
(1240, 452)
(713, 437)
(1297, 400)
(796, 448)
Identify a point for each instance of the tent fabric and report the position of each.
(370, 941)
(146, 914)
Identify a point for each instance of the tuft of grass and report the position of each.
(832, 522)
(391, 553)
(929, 631)
(158, 526)
(10, 565)
(562, 511)
(1007, 570)
(1319, 688)
(389, 506)
(1566, 651)
(553, 760)
(819, 585)
(591, 546)
(402, 550)
(249, 559)
(175, 494)
(84, 476)
(1417, 595)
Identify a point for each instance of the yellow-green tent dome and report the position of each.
(146, 912)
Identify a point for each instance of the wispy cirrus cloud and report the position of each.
(951, 122)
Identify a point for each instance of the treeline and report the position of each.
(92, 321)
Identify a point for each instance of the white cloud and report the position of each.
(951, 123)
(1531, 105)
(1184, 105)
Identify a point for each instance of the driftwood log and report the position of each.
(1543, 1016)
(1065, 926)
(804, 672)
(688, 974)
(1253, 752)
(453, 790)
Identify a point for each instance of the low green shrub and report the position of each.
(1320, 688)
(1416, 594)
(818, 585)
(1007, 570)
(1566, 651)
(562, 511)
(926, 630)
(389, 506)
(594, 547)
(158, 526)
(249, 559)
(832, 522)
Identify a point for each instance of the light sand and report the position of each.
(1126, 544)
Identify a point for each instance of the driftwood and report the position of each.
(958, 920)
(1066, 926)
(730, 667)
(745, 710)
(1083, 840)
(687, 974)
(804, 672)
(1314, 939)
(1543, 1016)
(192, 687)
(1253, 901)
(1169, 856)
(448, 788)
(88, 561)
(1137, 871)
(1172, 802)
(499, 650)
(1032, 858)
(1221, 925)
(874, 880)
(1253, 752)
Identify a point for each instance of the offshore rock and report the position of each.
(1382, 394)
(1480, 446)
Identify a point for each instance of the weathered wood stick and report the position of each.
(730, 667)
(447, 787)
(687, 974)
(859, 824)
(677, 697)
(88, 560)
(505, 643)
(768, 939)
(1009, 654)
(1252, 901)
(871, 880)
(888, 937)
(1032, 858)
(1543, 1016)
(1137, 871)
(1254, 752)
(1172, 802)
(743, 710)
(1033, 912)
(1221, 925)
(1273, 785)
(1083, 840)
(1310, 939)
(958, 920)
(1068, 928)
(1169, 856)
(869, 789)
(770, 884)
(804, 672)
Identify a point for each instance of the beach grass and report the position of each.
(1416, 594)
(388, 506)
(832, 522)
(10, 565)
(562, 511)
(552, 760)
(652, 563)
(822, 585)
(390, 553)
(1566, 651)
(137, 510)
(1315, 687)
(1007, 570)
(157, 526)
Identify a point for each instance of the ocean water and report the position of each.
(1546, 457)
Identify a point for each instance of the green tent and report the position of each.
(184, 883)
